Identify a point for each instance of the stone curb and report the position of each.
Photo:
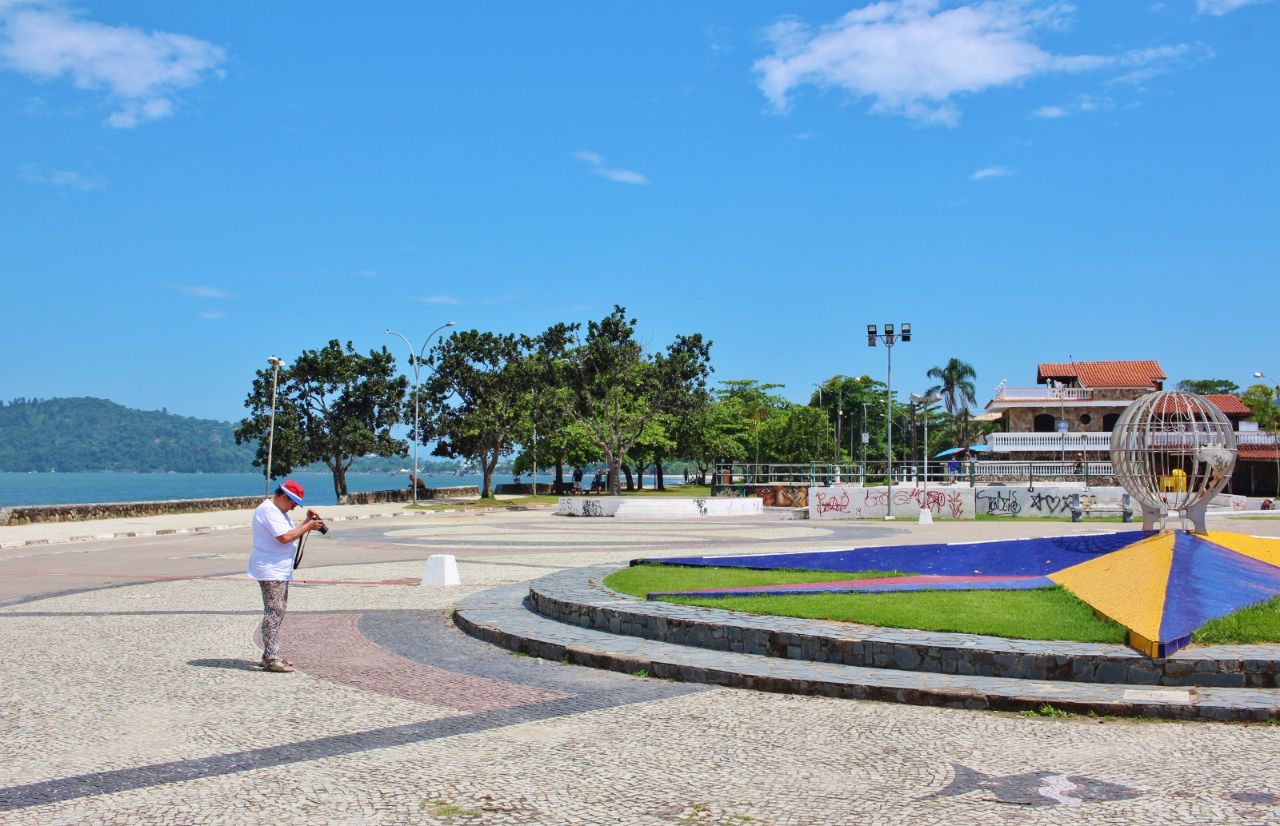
(4, 546)
(579, 597)
(501, 616)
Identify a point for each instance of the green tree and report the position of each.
(789, 435)
(955, 385)
(332, 405)
(615, 388)
(846, 400)
(1207, 387)
(479, 398)
(1262, 400)
(715, 432)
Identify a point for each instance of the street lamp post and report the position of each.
(271, 430)
(925, 401)
(416, 363)
(1275, 428)
(890, 338)
(824, 418)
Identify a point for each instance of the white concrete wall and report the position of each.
(658, 506)
(1042, 501)
(850, 502)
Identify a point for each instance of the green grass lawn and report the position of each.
(1047, 614)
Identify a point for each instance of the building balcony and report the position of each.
(1043, 394)
(1073, 442)
(1080, 442)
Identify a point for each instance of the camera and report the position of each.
(323, 528)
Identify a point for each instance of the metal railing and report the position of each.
(1006, 394)
(972, 472)
(1075, 441)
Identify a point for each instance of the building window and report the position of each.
(1085, 418)
(1044, 423)
(1109, 421)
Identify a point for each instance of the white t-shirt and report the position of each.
(271, 560)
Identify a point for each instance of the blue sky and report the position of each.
(188, 188)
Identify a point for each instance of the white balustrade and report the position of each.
(1021, 442)
(1080, 394)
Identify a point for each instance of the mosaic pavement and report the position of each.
(140, 704)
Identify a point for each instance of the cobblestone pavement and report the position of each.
(141, 703)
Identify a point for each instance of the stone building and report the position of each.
(1068, 417)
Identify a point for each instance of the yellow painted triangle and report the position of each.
(1260, 548)
(1128, 585)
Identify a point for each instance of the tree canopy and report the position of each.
(331, 405)
(479, 399)
(1208, 387)
(614, 389)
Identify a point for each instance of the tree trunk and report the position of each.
(559, 485)
(657, 471)
(612, 477)
(487, 466)
(640, 475)
(626, 469)
(339, 478)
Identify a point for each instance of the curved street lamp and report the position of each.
(271, 430)
(416, 363)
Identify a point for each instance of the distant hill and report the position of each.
(85, 434)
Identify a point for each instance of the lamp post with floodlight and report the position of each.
(890, 338)
(416, 362)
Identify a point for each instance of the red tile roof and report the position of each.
(1257, 453)
(1142, 374)
(1230, 404)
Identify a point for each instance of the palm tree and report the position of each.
(955, 385)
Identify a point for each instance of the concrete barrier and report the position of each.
(658, 507)
(851, 502)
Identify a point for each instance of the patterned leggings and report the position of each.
(275, 596)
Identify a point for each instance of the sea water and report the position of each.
(80, 488)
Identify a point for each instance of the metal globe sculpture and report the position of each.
(1173, 451)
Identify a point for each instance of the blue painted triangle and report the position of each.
(1017, 557)
(1207, 581)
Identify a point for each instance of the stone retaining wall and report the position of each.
(374, 497)
(578, 597)
(26, 515)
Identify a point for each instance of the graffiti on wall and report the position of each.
(1042, 502)
(774, 496)
(842, 502)
(828, 503)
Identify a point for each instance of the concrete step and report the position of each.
(578, 596)
(501, 616)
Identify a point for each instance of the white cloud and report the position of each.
(992, 172)
(212, 315)
(37, 174)
(1051, 112)
(914, 58)
(1217, 8)
(141, 72)
(1082, 104)
(622, 176)
(204, 292)
(438, 299)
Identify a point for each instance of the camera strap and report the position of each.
(297, 558)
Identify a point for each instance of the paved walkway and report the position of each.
(140, 703)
